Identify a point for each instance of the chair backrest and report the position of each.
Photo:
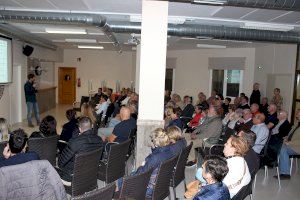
(135, 187)
(132, 137)
(265, 149)
(109, 112)
(179, 173)
(244, 192)
(164, 175)
(116, 161)
(85, 170)
(45, 147)
(2, 146)
(105, 193)
(216, 149)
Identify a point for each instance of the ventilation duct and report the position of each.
(216, 32)
(290, 5)
(15, 32)
(82, 20)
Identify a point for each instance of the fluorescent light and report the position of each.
(90, 47)
(211, 2)
(267, 26)
(65, 31)
(106, 42)
(81, 40)
(171, 19)
(210, 46)
(95, 33)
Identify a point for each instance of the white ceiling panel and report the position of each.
(233, 13)
(263, 15)
(290, 18)
(192, 10)
(67, 5)
(120, 6)
(36, 4)
(9, 3)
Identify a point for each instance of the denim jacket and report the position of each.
(216, 191)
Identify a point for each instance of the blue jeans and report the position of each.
(284, 160)
(33, 106)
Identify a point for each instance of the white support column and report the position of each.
(137, 68)
(152, 72)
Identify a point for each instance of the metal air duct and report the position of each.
(290, 5)
(82, 20)
(216, 32)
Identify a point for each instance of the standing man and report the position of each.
(30, 90)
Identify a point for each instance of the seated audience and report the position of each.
(86, 141)
(3, 130)
(101, 108)
(238, 175)
(160, 153)
(201, 98)
(188, 111)
(96, 98)
(225, 105)
(178, 103)
(111, 125)
(230, 122)
(177, 141)
(246, 121)
(168, 113)
(263, 107)
(255, 96)
(212, 97)
(122, 130)
(167, 96)
(47, 128)
(277, 99)
(196, 118)
(277, 134)
(244, 102)
(211, 128)
(14, 152)
(271, 119)
(262, 132)
(291, 146)
(214, 169)
(254, 109)
(88, 111)
(125, 101)
(176, 121)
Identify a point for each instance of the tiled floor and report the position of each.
(265, 189)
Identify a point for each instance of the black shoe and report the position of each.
(283, 177)
(190, 164)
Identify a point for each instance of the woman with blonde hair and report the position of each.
(3, 130)
(168, 114)
(160, 153)
(177, 141)
(87, 111)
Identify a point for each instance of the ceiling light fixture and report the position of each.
(65, 31)
(210, 2)
(171, 19)
(210, 46)
(81, 40)
(267, 26)
(90, 47)
(95, 33)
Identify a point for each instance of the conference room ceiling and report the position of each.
(129, 10)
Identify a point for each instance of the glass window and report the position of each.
(218, 80)
(233, 83)
(169, 80)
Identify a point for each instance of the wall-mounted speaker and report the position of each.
(27, 50)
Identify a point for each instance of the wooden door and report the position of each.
(66, 85)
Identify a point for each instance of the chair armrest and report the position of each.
(62, 141)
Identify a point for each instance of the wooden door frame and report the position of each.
(59, 86)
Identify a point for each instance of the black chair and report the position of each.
(216, 149)
(77, 105)
(264, 154)
(244, 192)
(161, 189)
(105, 193)
(45, 147)
(2, 146)
(85, 168)
(179, 172)
(114, 167)
(135, 187)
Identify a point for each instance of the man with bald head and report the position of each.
(122, 130)
(262, 132)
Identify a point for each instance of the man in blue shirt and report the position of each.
(31, 102)
(14, 151)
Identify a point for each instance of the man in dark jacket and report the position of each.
(85, 142)
(255, 96)
(188, 111)
(30, 90)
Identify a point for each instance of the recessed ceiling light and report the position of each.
(267, 26)
(90, 47)
(210, 46)
(81, 40)
(65, 31)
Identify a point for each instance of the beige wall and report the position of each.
(98, 66)
(192, 73)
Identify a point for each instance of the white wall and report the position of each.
(277, 64)
(192, 73)
(98, 66)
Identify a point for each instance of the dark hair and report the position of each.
(71, 114)
(228, 99)
(110, 89)
(247, 98)
(105, 97)
(30, 76)
(17, 141)
(216, 167)
(48, 125)
(177, 111)
(242, 94)
(85, 123)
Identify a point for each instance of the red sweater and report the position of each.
(195, 120)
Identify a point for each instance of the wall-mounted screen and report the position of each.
(5, 60)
